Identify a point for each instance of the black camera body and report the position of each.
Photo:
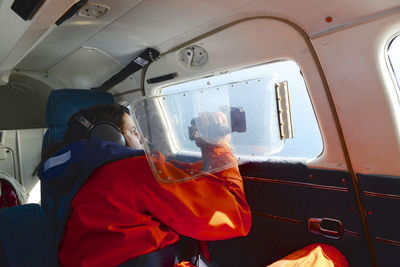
(238, 124)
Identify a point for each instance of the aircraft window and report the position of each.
(394, 59)
(306, 142)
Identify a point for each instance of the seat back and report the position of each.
(25, 238)
(62, 103)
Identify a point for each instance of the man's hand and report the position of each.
(211, 128)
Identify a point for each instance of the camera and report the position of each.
(238, 124)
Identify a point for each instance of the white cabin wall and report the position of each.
(253, 42)
(8, 157)
(22, 154)
(354, 42)
(354, 62)
(29, 149)
(23, 101)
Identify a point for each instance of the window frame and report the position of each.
(210, 85)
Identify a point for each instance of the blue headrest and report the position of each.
(62, 103)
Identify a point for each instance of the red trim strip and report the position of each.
(277, 217)
(397, 243)
(297, 221)
(315, 186)
(373, 194)
(351, 233)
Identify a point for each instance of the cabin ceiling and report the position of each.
(131, 26)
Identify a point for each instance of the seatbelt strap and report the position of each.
(71, 11)
(141, 61)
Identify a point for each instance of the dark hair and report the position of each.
(75, 131)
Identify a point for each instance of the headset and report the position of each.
(103, 130)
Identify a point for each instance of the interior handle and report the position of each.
(327, 227)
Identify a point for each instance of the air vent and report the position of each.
(93, 10)
(19, 88)
(193, 56)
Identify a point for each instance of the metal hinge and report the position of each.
(284, 112)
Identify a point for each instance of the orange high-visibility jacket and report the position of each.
(314, 255)
(123, 212)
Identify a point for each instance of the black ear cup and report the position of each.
(107, 131)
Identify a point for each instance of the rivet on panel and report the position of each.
(328, 19)
(343, 181)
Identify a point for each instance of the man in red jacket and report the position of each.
(123, 211)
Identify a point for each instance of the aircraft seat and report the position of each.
(62, 103)
(25, 238)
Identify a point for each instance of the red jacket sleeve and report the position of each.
(211, 207)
